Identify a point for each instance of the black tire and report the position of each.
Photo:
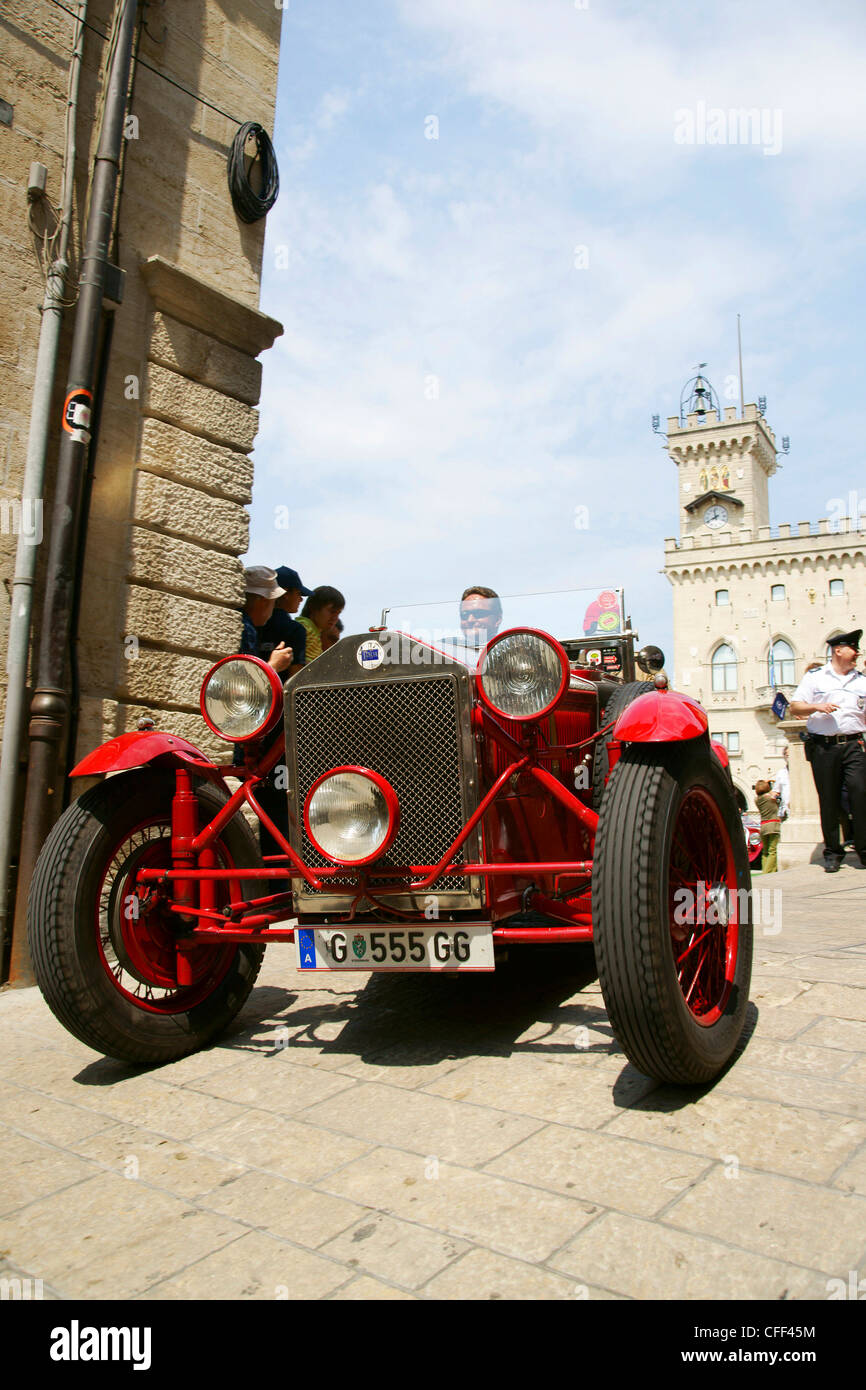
(87, 970)
(620, 697)
(668, 807)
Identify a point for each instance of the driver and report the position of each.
(480, 615)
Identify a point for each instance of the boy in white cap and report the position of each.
(262, 592)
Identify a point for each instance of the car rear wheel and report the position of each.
(105, 954)
(672, 931)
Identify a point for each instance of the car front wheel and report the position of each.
(105, 953)
(671, 924)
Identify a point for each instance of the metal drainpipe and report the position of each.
(50, 704)
(32, 492)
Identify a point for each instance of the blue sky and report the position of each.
(455, 378)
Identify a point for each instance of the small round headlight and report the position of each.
(240, 698)
(351, 815)
(522, 674)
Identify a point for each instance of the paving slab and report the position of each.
(803, 1224)
(285, 1209)
(785, 1139)
(482, 1274)
(648, 1259)
(254, 1266)
(410, 1137)
(400, 1251)
(513, 1218)
(448, 1130)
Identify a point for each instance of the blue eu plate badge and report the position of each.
(306, 950)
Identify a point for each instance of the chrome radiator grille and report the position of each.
(408, 731)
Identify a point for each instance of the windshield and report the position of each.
(461, 627)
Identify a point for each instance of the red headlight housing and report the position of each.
(241, 698)
(351, 815)
(522, 674)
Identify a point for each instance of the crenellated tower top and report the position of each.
(724, 461)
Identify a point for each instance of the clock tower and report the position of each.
(723, 464)
(753, 604)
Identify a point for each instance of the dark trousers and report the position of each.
(833, 766)
(275, 803)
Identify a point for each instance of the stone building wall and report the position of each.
(804, 563)
(744, 561)
(162, 583)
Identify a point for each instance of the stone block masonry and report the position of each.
(162, 579)
(192, 479)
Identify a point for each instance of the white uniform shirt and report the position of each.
(826, 686)
(782, 785)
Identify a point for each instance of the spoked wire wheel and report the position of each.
(671, 926)
(138, 932)
(104, 948)
(704, 907)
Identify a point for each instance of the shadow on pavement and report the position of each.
(419, 1020)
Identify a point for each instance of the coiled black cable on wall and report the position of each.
(249, 205)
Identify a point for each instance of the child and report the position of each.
(771, 825)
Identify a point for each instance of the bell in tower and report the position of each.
(698, 398)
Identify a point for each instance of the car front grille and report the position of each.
(406, 730)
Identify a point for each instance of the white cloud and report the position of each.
(454, 260)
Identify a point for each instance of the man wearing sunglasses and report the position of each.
(480, 616)
(834, 698)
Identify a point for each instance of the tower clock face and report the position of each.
(715, 516)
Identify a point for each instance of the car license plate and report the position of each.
(451, 947)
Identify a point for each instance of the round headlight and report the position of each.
(522, 674)
(240, 698)
(351, 815)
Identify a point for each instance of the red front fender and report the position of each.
(135, 750)
(661, 716)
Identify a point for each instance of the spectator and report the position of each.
(771, 826)
(333, 634)
(320, 612)
(782, 786)
(281, 627)
(262, 592)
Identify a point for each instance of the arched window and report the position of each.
(781, 664)
(724, 668)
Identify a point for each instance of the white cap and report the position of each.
(262, 581)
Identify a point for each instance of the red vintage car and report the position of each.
(443, 805)
(752, 832)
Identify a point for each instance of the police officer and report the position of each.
(834, 698)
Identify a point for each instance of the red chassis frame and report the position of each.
(660, 716)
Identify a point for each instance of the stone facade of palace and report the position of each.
(162, 581)
(754, 603)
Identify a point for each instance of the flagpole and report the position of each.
(740, 355)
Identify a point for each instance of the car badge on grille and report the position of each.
(370, 655)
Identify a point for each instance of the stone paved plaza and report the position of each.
(363, 1137)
